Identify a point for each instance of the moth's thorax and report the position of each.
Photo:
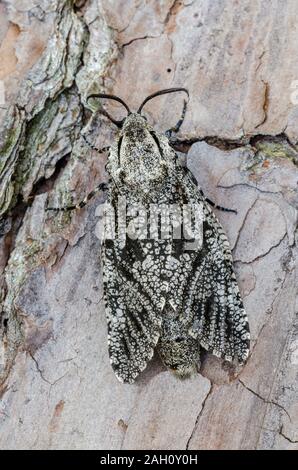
(141, 160)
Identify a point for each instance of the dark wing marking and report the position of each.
(134, 293)
(205, 288)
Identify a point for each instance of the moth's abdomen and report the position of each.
(181, 355)
(178, 351)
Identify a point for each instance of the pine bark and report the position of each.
(240, 137)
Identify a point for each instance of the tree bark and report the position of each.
(238, 61)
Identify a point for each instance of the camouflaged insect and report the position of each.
(158, 295)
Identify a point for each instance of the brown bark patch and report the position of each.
(54, 423)
(170, 22)
(8, 58)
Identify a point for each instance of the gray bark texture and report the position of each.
(239, 62)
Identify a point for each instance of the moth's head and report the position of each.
(135, 126)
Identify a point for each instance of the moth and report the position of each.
(160, 294)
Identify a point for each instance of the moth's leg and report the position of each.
(100, 187)
(220, 207)
(176, 128)
(102, 150)
(225, 209)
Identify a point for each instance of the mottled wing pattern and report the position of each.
(134, 294)
(145, 279)
(208, 294)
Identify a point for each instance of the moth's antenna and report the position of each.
(162, 92)
(104, 112)
(110, 97)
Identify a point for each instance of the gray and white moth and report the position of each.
(159, 294)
